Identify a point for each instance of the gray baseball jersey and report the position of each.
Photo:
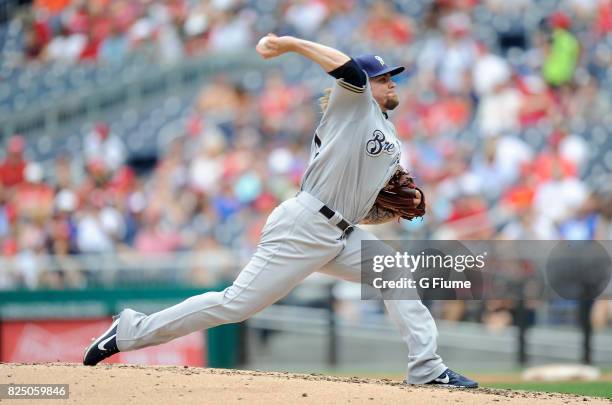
(355, 151)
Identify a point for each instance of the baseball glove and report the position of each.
(399, 196)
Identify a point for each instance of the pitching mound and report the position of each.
(125, 384)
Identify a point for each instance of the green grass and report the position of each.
(591, 388)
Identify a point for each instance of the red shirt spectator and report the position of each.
(34, 199)
(538, 100)
(445, 114)
(519, 196)
(545, 163)
(36, 38)
(465, 207)
(153, 240)
(53, 6)
(386, 26)
(90, 51)
(101, 28)
(43, 30)
(79, 21)
(472, 210)
(276, 99)
(10, 247)
(13, 167)
(604, 17)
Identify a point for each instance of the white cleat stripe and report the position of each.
(97, 341)
(444, 380)
(105, 341)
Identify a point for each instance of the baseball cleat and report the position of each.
(452, 379)
(102, 347)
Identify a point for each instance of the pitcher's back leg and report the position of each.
(416, 325)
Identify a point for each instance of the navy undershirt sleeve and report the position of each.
(351, 73)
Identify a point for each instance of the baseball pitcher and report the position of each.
(353, 177)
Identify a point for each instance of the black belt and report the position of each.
(343, 225)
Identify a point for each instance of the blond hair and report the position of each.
(324, 99)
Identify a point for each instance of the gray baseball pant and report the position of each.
(296, 241)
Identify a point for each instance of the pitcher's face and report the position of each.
(383, 91)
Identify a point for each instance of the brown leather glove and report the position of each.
(399, 195)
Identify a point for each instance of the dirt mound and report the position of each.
(148, 385)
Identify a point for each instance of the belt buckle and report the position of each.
(347, 231)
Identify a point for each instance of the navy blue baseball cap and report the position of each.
(374, 65)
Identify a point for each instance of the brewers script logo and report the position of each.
(379, 144)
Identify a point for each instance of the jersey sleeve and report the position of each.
(348, 101)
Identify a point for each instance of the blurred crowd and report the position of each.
(74, 31)
(105, 31)
(493, 125)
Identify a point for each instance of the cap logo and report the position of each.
(378, 58)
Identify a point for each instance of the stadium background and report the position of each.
(144, 144)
